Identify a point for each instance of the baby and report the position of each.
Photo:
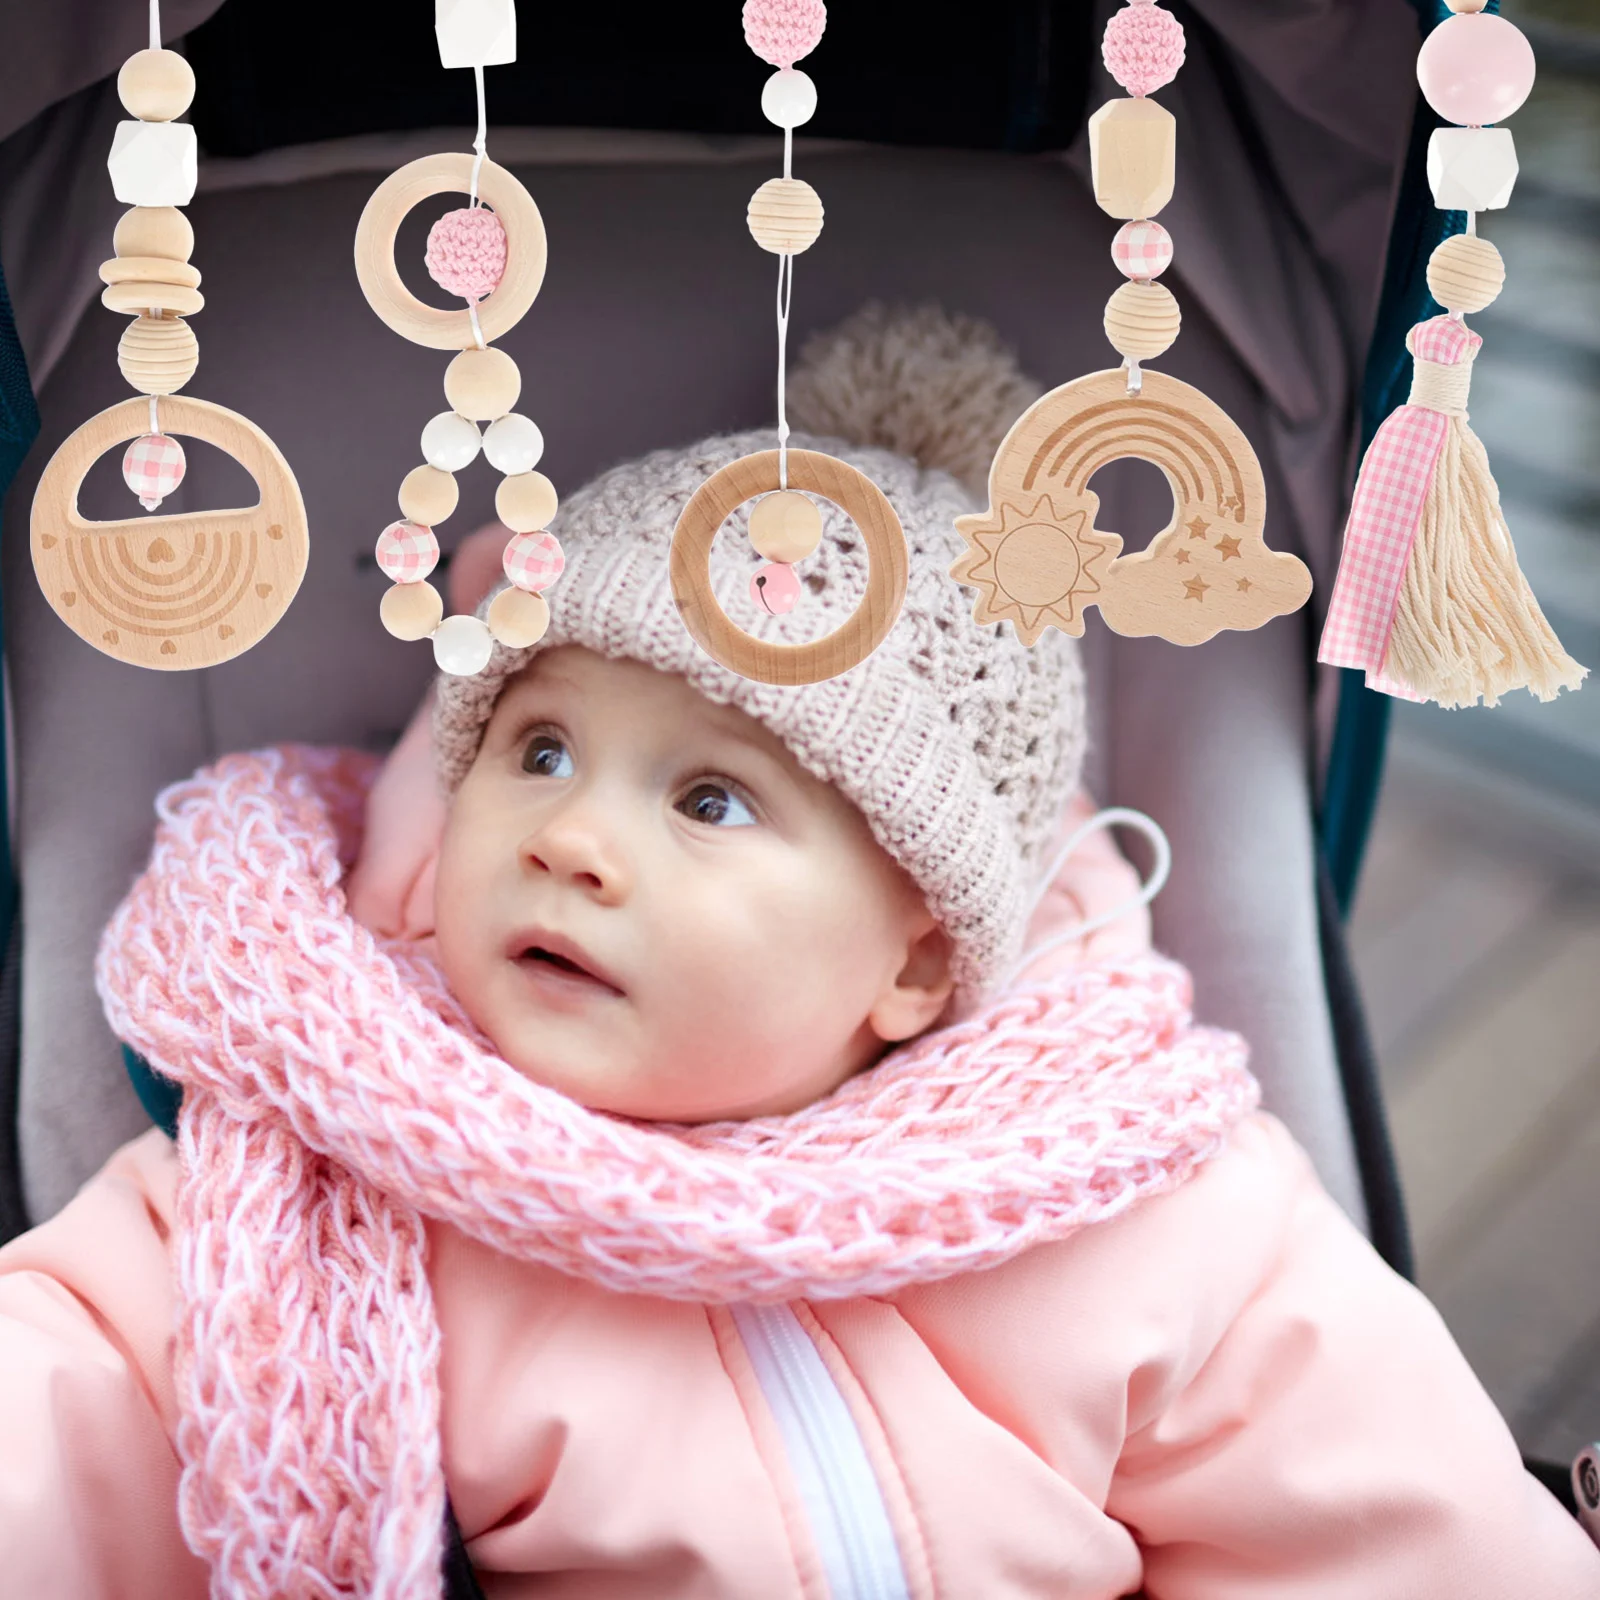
(704, 1206)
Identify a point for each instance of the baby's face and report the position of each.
(647, 904)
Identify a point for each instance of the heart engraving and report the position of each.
(275, 531)
(160, 550)
(48, 540)
(69, 597)
(224, 632)
(263, 589)
(168, 648)
(110, 636)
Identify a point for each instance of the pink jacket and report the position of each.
(1222, 1393)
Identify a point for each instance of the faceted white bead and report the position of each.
(789, 98)
(450, 442)
(475, 33)
(462, 646)
(1471, 169)
(513, 444)
(154, 163)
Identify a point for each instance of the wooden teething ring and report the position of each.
(854, 639)
(413, 319)
(170, 592)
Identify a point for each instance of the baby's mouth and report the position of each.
(552, 959)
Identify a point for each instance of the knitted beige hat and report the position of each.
(958, 744)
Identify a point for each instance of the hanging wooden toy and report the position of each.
(785, 218)
(491, 253)
(170, 592)
(1430, 602)
(1035, 556)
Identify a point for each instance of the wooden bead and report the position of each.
(158, 355)
(785, 527)
(428, 496)
(482, 384)
(135, 298)
(1465, 273)
(526, 503)
(518, 617)
(1133, 147)
(1142, 320)
(785, 216)
(156, 85)
(149, 269)
(411, 610)
(154, 163)
(1470, 7)
(161, 231)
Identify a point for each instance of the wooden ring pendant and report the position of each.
(172, 592)
(504, 307)
(854, 639)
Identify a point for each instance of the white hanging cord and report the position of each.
(785, 295)
(155, 24)
(1113, 816)
(477, 332)
(1135, 376)
(481, 143)
(155, 421)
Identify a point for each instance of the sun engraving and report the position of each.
(1035, 566)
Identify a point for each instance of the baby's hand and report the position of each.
(390, 888)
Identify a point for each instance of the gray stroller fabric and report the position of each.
(655, 326)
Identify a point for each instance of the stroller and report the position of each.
(954, 168)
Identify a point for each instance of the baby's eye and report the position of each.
(717, 806)
(547, 757)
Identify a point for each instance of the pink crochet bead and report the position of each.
(1475, 70)
(467, 252)
(407, 552)
(776, 589)
(1143, 47)
(782, 31)
(533, 561)
(153, 466)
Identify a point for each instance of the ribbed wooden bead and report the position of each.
(143, 295)
(785, 527)
(482, 384)
(428, 496)
(161, 231)
(411, 610)
(785, 216)
(158, 355)
(156, 85)
(1142, 320)
(526, 503)
(1465, 273)
(150, 269)
(518, 617)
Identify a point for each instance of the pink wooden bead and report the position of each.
(776, 588)
(1475, 69)
(1142, 250)
(407, 552)
(153, 466)
(533, 561)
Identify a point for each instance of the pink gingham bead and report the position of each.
(776, 588)
(467, 252)
(1143, 47)
(1475, 69)
(153, 466)
(1142, 250)
(407, 551)
(533, 561)
(782, 31)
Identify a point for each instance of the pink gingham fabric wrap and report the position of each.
(153, 466)
(1395, 476)
(533, 561)
(407, 551)
(1142, 249)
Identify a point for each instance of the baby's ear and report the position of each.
(913, 1002)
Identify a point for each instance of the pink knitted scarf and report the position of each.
(335, 1095)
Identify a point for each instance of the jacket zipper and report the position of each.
(832, 1471)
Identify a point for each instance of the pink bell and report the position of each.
(153, 466)
(776, 588)
(1475, 69)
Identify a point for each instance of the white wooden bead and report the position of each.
(142, 295)
(156, 85)
(1142, 320)
(526, 503)
(475, 33)
(1465, 273)
(161, 231)
(1471, 169)
(1133, 145)
(450, 442)
(513, 444)
(428, 496)
(482, 384)
(154, 163)
(518, 617)
(789, 99)
(785, 216)
(462, 646)
(411, 610)
(785, 527)
(158, 355)
(149, 269)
